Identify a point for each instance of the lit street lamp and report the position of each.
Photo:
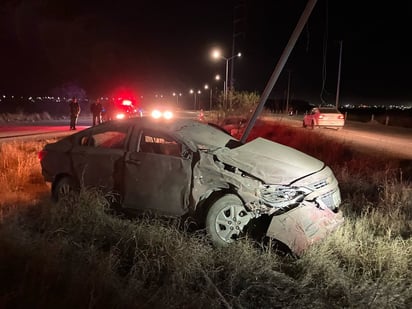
(194, 102)
(216, 54)
(177, 95)
(217, 78)
(195, 96)
(210, 96)
(198, 99)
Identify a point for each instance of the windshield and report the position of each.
(329, 111)
(202, 136)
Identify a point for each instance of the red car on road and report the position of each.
(328, 117)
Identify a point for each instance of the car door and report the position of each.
(157, 177)
(98, 156)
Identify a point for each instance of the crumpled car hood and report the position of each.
(271, 162)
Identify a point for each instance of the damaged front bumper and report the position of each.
(303, 226)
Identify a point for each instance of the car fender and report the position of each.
(207, 178)
(211, 175)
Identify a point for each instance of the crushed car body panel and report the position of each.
(303, 226)
(211, 175)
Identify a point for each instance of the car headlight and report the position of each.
(168, 115)
(281, 197)
(156, 114)
(120, 116)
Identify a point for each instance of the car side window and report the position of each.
(159, 143)
(107, 139)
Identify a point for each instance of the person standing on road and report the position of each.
(74, 112)
(96, 110)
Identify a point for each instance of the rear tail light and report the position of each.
(42, 154)
(341, 117)
(321, 116)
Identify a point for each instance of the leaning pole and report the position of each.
(279, 67)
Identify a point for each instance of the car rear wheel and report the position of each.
(226, 220)
(63, 188)
(304, 124)
(312, 124)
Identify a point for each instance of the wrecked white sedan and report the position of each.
(181, 167)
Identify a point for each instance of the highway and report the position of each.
(369, 137)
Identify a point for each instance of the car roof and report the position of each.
(196, 134)
(168, 124)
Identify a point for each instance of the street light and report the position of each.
(194, 102)
(198, 99)
(217, 78)
(210, 96)
(216, 54)
(191, 91)
(177, 95)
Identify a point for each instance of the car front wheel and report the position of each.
(226, 220)
(63, 187)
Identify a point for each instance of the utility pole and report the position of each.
(279, 67)
(237, 19)
(339, 72)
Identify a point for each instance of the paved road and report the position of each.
(370, 137)
(41, 129)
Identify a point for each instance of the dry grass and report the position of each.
(78, 254)
(21, 181)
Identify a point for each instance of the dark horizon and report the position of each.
(100, 46)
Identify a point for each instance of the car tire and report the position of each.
(304, 124)
(63, 188)
(226, 220)
(312, 125)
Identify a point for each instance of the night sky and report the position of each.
(164, 46)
